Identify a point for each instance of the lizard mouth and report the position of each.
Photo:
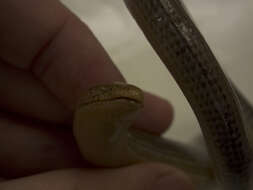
(112, 92)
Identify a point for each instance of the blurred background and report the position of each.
(226, 25)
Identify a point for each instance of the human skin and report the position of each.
(48, 59)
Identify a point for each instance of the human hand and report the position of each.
(48, 58)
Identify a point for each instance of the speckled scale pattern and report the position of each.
(186, 54)
(111, 92)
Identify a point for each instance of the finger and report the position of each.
(21, 93)
(27, 148)
(156, 116)
(40, 24)
(138, 177)
(61, 51)
(59, 48)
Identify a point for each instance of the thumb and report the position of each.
(138, 177)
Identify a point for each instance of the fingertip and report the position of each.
(157, 114)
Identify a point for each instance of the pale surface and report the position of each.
(226, 24)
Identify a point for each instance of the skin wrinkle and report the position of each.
(80, 72)
(30, 27)
(27, 102)
(39, 69)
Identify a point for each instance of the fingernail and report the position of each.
(175, 182)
